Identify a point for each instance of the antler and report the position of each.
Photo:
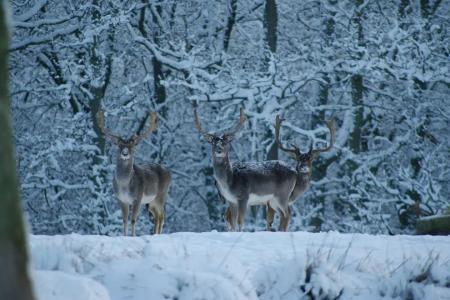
(242, 119)
(206, 135)
(101, 124)
(146, 133)
(295, 151)
(209, 136)
(332, 128)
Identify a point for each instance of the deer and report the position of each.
(134, 184)
(244, 184)
(303, 167)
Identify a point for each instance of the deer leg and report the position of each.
(152, 216)
(242, 207)
(124, 208)
(270, 216)
(161, 221)
(158, 219)
(134, 214)
(230, 217)
(284, 220)
(227, 218)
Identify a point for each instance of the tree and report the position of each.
(14, 280)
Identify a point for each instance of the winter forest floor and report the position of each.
(262, 265)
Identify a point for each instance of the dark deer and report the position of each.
(303, 167)
(137, 184)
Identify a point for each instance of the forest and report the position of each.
(380, 69)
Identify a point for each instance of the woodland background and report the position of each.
(380, 68)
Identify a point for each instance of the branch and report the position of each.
(38, 40)
(31, 12)
(179, 63)
(43, 22)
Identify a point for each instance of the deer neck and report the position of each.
(303, 177)
(222, 169)
(124, 169)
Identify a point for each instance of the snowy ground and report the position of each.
(261, 265)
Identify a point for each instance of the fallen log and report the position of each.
(434, 225)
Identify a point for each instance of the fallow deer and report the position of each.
(244, 184)
(137, 184)
(303, 168)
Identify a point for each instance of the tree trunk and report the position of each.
(270, 25)
(14, 280)
(403, 8)
(102, 69)
(358, 88)
(357, 101)
(158, 73)
(436, 225)
(320, 168)
(159, 90)
(230, 24)
(425, 8)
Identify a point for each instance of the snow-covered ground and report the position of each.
(262, 265)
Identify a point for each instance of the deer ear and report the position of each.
(208, 137)
(228, 137)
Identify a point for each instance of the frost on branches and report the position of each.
(380, 68)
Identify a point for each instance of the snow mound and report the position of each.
(57, 285)
(261, 265)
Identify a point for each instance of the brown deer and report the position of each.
(244, 184)
(137, 184)
(303, 168)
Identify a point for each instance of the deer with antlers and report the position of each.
(137, 184)
(244, 184)
(303, 167)
(271, 183)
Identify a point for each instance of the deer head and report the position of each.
(220, 143)
(304, 160)
(126, 146)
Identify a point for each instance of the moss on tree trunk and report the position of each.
(438, 225)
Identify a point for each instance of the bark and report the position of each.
(103, 69)
(424, 8)
(357, 91)
(159, 90)
(14, 280)
(403, 8)
(357, 102)
(230, 24)
(158, 74)
(270, 25)
(98, 92)
(436, 225)
(321, 166)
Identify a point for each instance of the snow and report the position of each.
(261, 265)
(57, 285)
(262, 167)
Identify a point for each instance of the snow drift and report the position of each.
(261, 265)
